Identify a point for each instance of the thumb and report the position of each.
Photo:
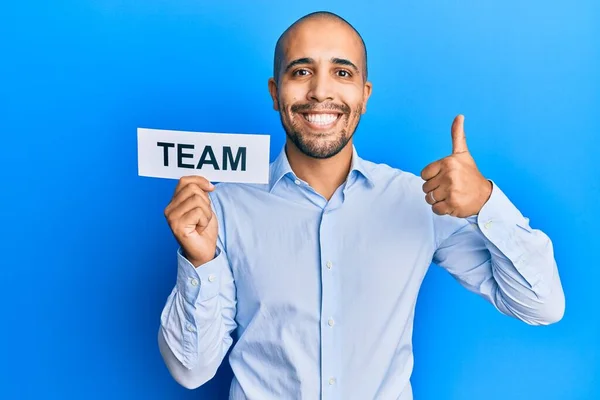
(459, 141)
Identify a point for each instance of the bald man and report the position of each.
(318, 271)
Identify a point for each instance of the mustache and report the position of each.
(299, 108)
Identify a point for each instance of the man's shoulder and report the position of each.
(237, 189)
(382, 172)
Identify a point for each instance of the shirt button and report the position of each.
(329, 264)
(211, 278)
(331, 381)
(190, 328)
(194, 282)
(488, 224)
(297, 182)
(331, 322)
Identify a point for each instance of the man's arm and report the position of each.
(497, 255)
(199, 315)
(197, 321)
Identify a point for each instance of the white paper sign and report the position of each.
(219, 157)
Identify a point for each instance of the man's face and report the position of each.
(322, 92)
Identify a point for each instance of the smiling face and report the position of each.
(321, 92)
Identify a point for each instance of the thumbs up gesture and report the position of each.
(454, 185)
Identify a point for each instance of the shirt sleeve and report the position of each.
(198, 319)
(497, 255)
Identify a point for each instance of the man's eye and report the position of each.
(300, 72)
(344, 74)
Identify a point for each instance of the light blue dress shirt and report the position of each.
(322, 293)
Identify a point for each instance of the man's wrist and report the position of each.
(197, 262)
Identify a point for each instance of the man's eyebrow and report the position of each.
(334, 60)
(343, 61)
(299, 61)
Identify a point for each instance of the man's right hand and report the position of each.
(192, 220)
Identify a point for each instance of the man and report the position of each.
(319, 270)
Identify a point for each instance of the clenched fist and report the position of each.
(192, 220)
(454, 184)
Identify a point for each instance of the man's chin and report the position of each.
(321, 136)
(320, 148)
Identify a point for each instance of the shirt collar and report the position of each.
(281, 167)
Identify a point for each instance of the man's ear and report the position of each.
(367, 89)
(273, 92)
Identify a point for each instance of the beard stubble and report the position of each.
(315, 145)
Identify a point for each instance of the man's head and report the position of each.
(319, 83)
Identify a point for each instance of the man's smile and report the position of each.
(321, 120)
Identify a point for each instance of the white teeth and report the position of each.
(321, 119)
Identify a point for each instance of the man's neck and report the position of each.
(323, 175)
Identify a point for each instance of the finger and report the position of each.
(441, 208)
(187, 191)
(431, 170)
(459, 140)
(196, 217)
(436, 196)
(194, 201)
(197, 179)
(433, 183)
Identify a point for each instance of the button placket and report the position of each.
(330, 352)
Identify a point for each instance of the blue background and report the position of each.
(87, 259)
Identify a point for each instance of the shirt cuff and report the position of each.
(202, 283)
(502, 224)
(500, 209)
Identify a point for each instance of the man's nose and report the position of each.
(321, 88)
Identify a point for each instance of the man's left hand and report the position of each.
(454, 184)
